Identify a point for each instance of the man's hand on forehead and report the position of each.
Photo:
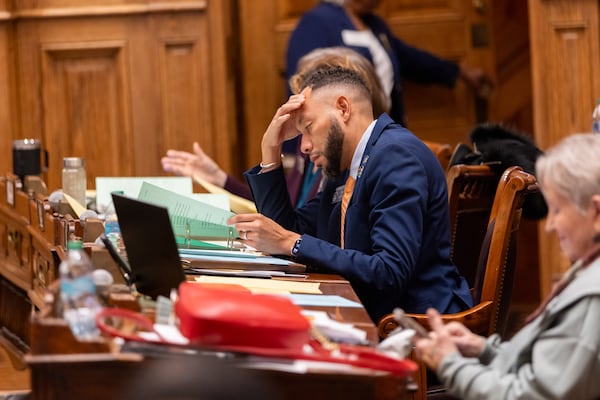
(306, 91)
(296, 115)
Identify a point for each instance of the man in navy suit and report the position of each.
(393, 245)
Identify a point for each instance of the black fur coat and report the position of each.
(500, 148)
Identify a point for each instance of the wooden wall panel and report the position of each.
(184, 106)
(7, 101)
(512, 104)
(76, 95)
(513, 100)
(441, 27)
(263, 84)
(227, 137)
(565, 59)
(39, 8)
(85, 96)
(119, 82)
(415, 7)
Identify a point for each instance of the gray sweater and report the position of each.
(556, 356)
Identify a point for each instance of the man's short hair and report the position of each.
(334, 75)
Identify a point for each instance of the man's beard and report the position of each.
(333, 150)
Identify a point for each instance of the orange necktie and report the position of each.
(348, 188)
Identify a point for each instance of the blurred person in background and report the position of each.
(352, 23)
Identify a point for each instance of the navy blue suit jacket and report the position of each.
(397, 239)
(322, 26)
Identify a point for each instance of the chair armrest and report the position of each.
(477, 319)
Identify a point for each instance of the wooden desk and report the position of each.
(63, 368)
(331, 284)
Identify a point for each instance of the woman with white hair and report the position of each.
(557, 354)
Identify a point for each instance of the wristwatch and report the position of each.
(296, 247)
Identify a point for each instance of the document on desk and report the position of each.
(270, 286)
(190, 218)
(130, 186)
(77, 207)
(238, 204)
(323, 301)
(241, 259)
(216, 200)
(263, 274)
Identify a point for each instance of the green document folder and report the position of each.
(194, 223)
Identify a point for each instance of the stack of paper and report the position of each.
(194, 223)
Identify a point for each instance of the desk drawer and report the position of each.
(15, 312)
(45, 268)
(15, 252)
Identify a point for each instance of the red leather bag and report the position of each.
(223, 317)
(236, 320)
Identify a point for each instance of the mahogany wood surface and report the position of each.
(61, 367)
(117, 82)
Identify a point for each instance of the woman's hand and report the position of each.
(444, 340)
(468, 343)
(434, 348)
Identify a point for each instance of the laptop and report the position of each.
(153, 258)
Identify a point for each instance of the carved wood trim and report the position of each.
(96, 10)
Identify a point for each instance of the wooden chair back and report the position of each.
(496, 266)
(471, 191)
(442, 151)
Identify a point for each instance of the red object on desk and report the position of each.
(309, 350)
(357, 356)
(217, 316)
(220, 319)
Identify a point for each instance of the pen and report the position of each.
(281, 274)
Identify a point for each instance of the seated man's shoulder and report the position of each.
(400, 137)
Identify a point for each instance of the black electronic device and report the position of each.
(407, 322)
(124, 267)
(150, 245)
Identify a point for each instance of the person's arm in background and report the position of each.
(237, 187)
(423, 67)
(201, 165)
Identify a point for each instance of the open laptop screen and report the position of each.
(150, 245)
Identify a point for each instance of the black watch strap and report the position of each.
(296, 247)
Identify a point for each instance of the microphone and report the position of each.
(55, 198)
(88, 214)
